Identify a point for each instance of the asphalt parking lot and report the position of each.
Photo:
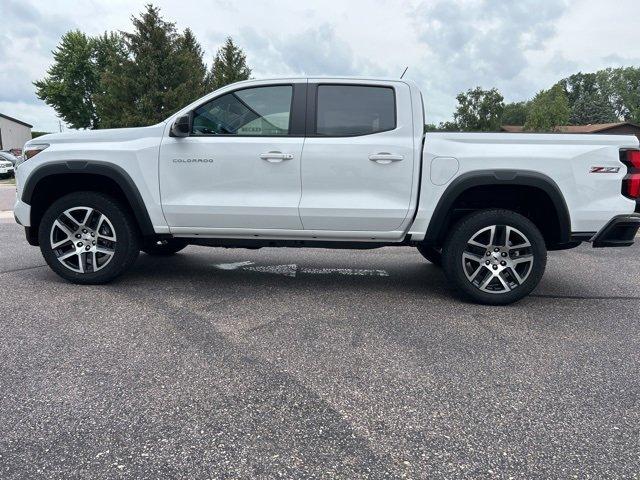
(285, 363)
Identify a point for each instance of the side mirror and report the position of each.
(182, 126)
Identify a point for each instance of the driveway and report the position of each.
(285, 363)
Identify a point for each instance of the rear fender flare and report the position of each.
(437, 225)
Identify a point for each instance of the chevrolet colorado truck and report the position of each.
(332, 163)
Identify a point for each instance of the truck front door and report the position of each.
(240, 166)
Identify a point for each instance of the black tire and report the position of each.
(163, 248)
(432, 254)
(124, 250)
(507, 287)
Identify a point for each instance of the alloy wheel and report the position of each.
(83, 239)
(497, 259)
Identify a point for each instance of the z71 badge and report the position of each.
(604, 170)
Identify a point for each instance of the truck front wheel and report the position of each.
(495, 257)
(88, 238)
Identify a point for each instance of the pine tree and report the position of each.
(229, 66)
(135, 78)
(189, 59)
(162, 72)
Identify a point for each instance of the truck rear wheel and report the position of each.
(495, 257)
(88, 238)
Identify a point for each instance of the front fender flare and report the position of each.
(109, 170)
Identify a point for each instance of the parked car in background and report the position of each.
(6, 169)
(4, 156)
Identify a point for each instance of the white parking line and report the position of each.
(232, 266)
(287, 270)
(291, 270)
(345, 271)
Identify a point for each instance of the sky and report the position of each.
(519, 46)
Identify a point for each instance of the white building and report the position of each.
(13, 133)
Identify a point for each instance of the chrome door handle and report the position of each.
(385, 158)
(275, 157)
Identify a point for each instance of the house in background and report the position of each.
(13, 134)
(618, 128)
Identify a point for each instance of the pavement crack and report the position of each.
(21, 269)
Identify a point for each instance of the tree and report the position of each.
(441, 127)
(188, 59)
(161, 72)
(624, 84)
(515, 113)
(590, 98)
(549, 109)
(229, 65)
(592, 108)
(72, 80)
(126, 79)
(580, 85)
(479, 110)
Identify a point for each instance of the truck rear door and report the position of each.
(357, 162)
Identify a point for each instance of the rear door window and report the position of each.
(348, 110)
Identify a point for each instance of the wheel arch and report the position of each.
(547, 189)
(51, 181)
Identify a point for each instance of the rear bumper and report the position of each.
(619, 232)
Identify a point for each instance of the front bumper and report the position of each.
(619, 232)
(22, 213)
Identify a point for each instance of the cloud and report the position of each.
(484, 42)
(450, 45)
(41, 116)
(315, 51)
(26, 38)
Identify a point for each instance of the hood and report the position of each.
(104, 135)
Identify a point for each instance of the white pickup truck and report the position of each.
(326, 162)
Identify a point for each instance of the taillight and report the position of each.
(631, 181)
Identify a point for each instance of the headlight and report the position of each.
(33, 150)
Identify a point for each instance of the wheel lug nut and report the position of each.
(78, 235)
(503, 263)
(487, 262)
(495, 267)
(93, 234)
(504, 254)
(79, 244)
(84, 230)
(87, 247)
(496, 249)
(488, 253)
(93, 243)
